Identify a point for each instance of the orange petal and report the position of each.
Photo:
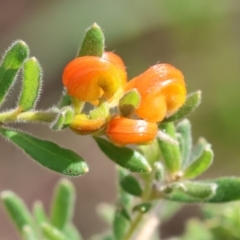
(81, 124)
(162, 89)
(122, 131)
(118, 62)
(88, 78)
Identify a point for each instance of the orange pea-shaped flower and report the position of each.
(81, 124)
(162, 90)
(88, 78)
(122, 131)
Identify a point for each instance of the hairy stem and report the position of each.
(31, 116)
(146, 196)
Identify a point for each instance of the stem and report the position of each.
(135, 223)
(146, 196)
(77, 105)
(31, 116)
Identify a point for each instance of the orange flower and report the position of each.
(122, 131)
(162, 90)
(88, 78)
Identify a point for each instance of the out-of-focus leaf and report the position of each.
(39, 213)
(131, 185)
(17, 210)
(52, 233)
(62, 204)
(71, 232)
(28, 233)
(120, 223)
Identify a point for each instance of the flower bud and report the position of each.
(122, 131)
(81, 124)
(88, 78)
(162, 89)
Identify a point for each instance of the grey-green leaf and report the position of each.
(184, 129)
(93, 42)
(39, 213)
(52, 233)
(28, 233)
(47, 153)
(10, 65)
(192, 102)
(62, 204)
(170, 151)
(71, 232)
(200, 165)
(197, 151)
(200, 190)
(17, 210)
(228, 189)
(32, 82)
(123, 156)
(131, 185)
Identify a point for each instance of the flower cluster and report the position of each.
(102, 81)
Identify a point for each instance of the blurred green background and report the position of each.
(202, 38)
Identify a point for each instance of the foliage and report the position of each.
(149, 112)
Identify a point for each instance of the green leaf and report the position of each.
(93, 42)
(192, 102)
(129, 102)
(52, 233)
(151, 151)
(17, 210)
(142, 207)
(125, 157)
(131, 185)
(120, 223)
(228, 189)
(199, 189)
(39, 213)
(28, 233)
(200, 165)
(170, 151)
(32, 82)
(47, 153)
(71, 233)
(184, 129)
(10, 65)
(62, 204)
